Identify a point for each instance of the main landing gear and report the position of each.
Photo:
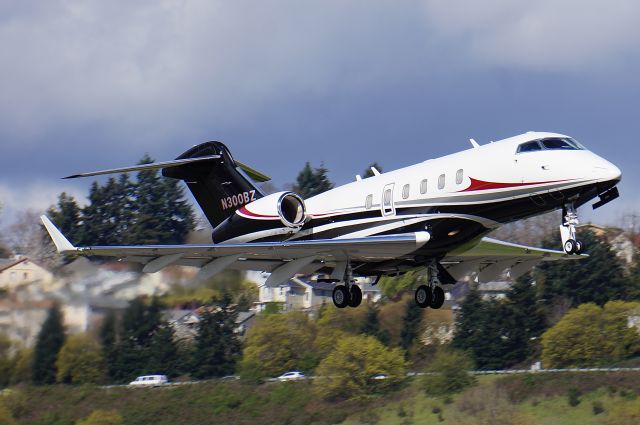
(431, 295)
(347, 294)
(568, 230)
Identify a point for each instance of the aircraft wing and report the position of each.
(490, 258)
(297, 256)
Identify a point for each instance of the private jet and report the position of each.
(434, 215)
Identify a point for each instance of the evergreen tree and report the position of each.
(411, 328)
(482, 329)
(598, 278)
(66, 216)
(109, 343)
(525, 321)
(139, 326)
(164, 357)
(217, 348)
(162, 214)
(371, 325)
(312, 181)
(105, 218)
(48, 344)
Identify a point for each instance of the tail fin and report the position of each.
(220, 184)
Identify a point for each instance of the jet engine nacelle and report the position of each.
(287, 207)
(276, 214)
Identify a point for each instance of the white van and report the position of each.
(149, 381)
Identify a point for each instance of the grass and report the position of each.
(517, 400)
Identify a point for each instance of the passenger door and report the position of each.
(387, 206)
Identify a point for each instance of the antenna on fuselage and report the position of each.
(375, 171)
(474, 143)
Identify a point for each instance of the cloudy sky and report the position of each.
(92, 84)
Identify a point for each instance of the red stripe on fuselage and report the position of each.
(484, 185)
(244, 211)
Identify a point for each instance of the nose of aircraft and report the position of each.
(606, 170)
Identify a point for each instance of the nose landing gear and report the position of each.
(568, 230)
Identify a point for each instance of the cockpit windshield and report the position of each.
(551, 143)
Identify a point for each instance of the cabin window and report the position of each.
(441, 181)
(459, 175)
(423, 186)
(387, 197)
(405, 191)
(369, 202)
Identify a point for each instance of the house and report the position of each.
(301, 293)
(21, 320)
(18, 271)
(621, 242)
(496, 290)
(185, 323)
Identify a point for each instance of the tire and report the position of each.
(578, 249)
(570, 246)
(356, 296)
(340, 296)
(438, 298)
(423, 296)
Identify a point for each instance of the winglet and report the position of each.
(62, 244)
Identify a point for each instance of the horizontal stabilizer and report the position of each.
(146, 167)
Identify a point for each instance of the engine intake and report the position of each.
(291, 209)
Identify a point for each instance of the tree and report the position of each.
(80, 361)
(359, 367)
(594, 279)
(49, 341)
(109, 342)
(6, 362)
(217, 348)
(277, 343)
(448, 373)
(164, 357)
(67, 216)
(524, 322)
(371, 324)
(102, 417)
(411, 326)
(591, 336)
(23, 367)
(392, 287)
(312, 181)
(141, 331)
(482, 329)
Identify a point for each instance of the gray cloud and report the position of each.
(91, 84)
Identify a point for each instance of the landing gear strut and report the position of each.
(568, 230)
(433, 294)
(347, 294)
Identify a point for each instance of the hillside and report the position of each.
(524, 399)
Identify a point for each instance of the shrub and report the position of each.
(573, 397)
(597, 407)
(102, 417)
(449, 373)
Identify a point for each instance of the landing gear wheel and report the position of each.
(570, 246)
(438, 298)
(423, 296)
(578, 247)
(340, 296)
(356, 296)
